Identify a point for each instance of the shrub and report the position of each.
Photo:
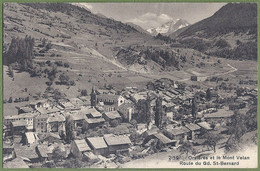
(10, 100)
(58, 63)
(48, 46)
(84, 92)
(48, 62)
(66, 65)
(222, 43)
(72, 83)
(48, 83)
(114, 123)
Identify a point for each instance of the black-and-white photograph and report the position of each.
(130, 85)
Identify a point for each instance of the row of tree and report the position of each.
(20, 51)
(144, 111)
(163, 57)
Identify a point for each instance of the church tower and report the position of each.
(93, 97)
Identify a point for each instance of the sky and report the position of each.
(152, 15)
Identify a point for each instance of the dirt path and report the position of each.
(233, 69)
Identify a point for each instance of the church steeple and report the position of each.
(93, 97)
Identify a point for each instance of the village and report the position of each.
(107, 127)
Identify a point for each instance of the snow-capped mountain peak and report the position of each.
(169, 27)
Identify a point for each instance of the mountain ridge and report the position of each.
(169, 27)
(230, 33)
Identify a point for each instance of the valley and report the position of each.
(72, 77)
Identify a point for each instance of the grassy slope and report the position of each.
(96, 64)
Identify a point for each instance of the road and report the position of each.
(233, 69)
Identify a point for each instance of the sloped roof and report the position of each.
(26, 109)
(50, 134)
(192, 126)
(97, 142)
(85, 98)
(56, 118)
(48, 110)
(43, 150)
(95, 120)
(42, 116)
(7, 145)
(31, 137)
(108, 96)
(221, 113)
(119, 130)
(76, 101)
(205, 125)
(25, 115)
(163, 138)
(112, 115)
(126, 106)
(16, 163)
(90, 110)
(19, 123)
(105, 91)
(117, 140)
(25, 151)
(39, 101)
(55, 145)
(82, 145)
(152, 131)
(77, 116)
(90, 155)
(178, 130)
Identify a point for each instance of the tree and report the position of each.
(66, 65)
(57, 154)
(44, 41)
(211, 140)
(57, 95)
(194, 108)
(21, 51)
(133, 122)
(158, 112)
(251, 119)
(84, 92)
(237, 125)
(11, 72)
(148, 109)
(52, 73)
(84, 127)
(232, 145)
(114, 123)
(64, 78)
(62, 135)
(48, 46)
(186, 148)
(69, 130)
(208, 94)
(141, 111)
